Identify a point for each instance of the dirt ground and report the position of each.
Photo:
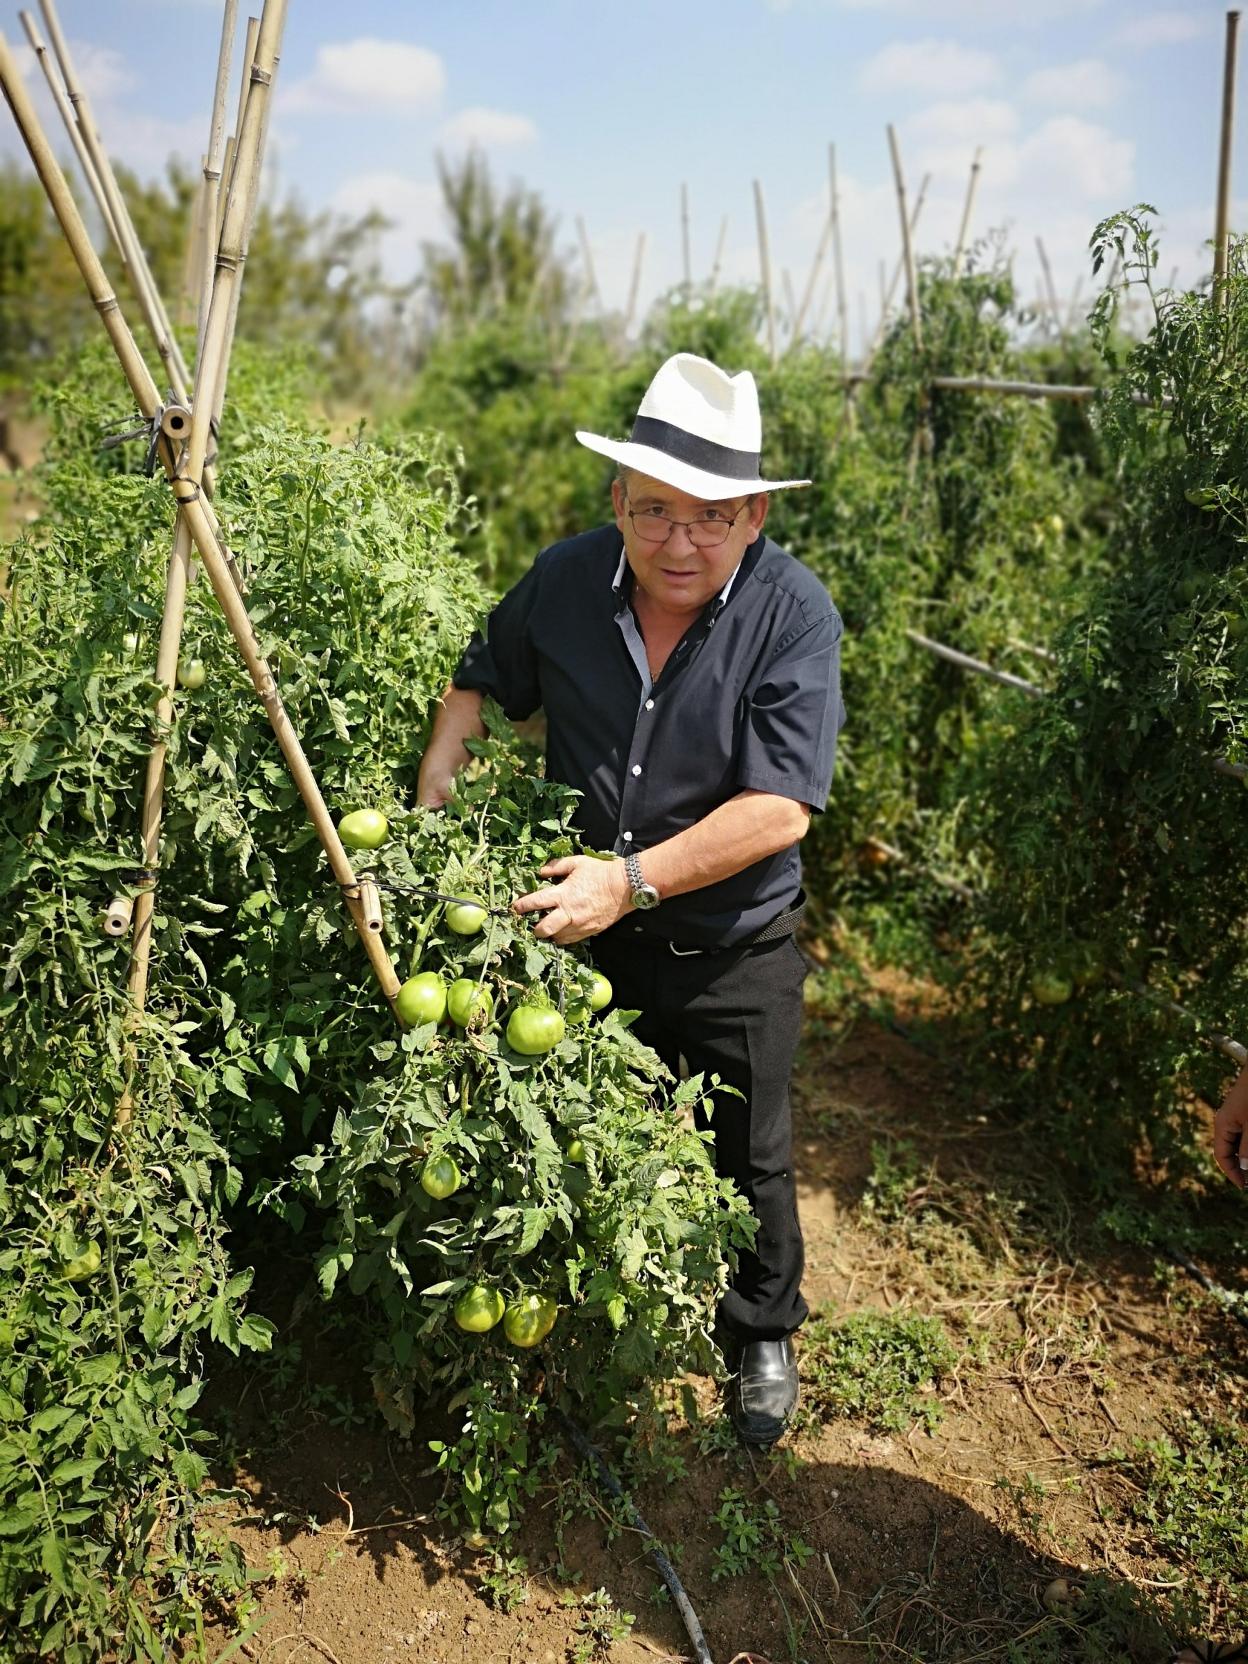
(966, 1543)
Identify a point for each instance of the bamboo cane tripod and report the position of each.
(183, 461)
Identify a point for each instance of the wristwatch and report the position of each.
(643, 895)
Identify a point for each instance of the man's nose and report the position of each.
(679, 530)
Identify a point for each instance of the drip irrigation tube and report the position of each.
(1230, 1303)
(590, 1453)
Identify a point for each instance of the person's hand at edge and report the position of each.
(1230, 1131)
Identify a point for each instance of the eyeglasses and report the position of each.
(707, 531)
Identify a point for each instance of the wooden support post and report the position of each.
(1222, 222)
(587, 254)
(838, 259)
(188, 492)
(809, 291)
(719, 253)
(907, 245)
(85, 165)
(213, 161)
(1050, 289)
(959, 253)
(634, 287)
(764, 266)
(686, 255)
(150, 303)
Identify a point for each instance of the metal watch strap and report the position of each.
(632, 867)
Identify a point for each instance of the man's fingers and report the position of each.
(536, 901)
(558, 867)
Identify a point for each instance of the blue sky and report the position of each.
(1081, 106)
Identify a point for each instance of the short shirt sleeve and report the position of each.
(793, 717)
(500, 660)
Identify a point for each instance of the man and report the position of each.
(690, 675)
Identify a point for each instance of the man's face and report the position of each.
(677, 575)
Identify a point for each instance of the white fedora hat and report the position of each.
(698, 429)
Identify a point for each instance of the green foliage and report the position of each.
(755, 1541)
(1193, 1507)
(877, 1367)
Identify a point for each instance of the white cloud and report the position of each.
(490, 129)
(412, 206)
(1170, 28)
(369, 75)
(1068, 157)
(1086, 84)
(939, 67)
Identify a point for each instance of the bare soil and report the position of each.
(940, 1547)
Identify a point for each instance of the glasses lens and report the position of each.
(653, 527)
(709, 534)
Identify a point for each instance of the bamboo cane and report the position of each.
(193, 505)
(227, 175)
(907, 246)
(898, 270)
(150, 303)
(634, 287)
(1072, 307)
(976, 666)
(188, 289)
(719, 253)
(684, 238)
(244, 85)
(1221, 228)
(116, 920)
(85, 166)
(786, 283)
(809, 291)
(587, 254)
(838, 258)
(764, 262)
(1050, 289)
(967, 209)
(212, 171)
(218, 396)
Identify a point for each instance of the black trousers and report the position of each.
(736, 1012)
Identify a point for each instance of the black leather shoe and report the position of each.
(762, 1394)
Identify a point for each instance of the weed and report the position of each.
(876, 1367)
(1027, 1496)
(600, 1625)
(896, 1172)
(504, 1582)
(1193, 1504)
(754, 1539)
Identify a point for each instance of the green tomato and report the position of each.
(83, 1265)
(130, 641)
(1087, 967)
(421, 999)
(600, 992)
(467, 1000)
(1051, 988)
(191, 674)
(529, 1319)
(465, 918)
(478, 1308)
(576, 1012)
(1056, 524)
(576, 1152)
(440, 1177)
(1236, 626)
(364, 829)
(534, 1029)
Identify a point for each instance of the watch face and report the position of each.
(646, 896)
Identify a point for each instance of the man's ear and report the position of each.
(618, 499)
(758, 513)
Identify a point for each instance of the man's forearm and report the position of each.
(746, 829)
(459, 719)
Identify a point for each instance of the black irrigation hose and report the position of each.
(591, 1454)
(1229, 1303)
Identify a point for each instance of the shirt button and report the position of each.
(636, 768)
(649, 704)
(628, 837)
(636, 930)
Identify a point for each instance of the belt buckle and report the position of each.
(684, 953)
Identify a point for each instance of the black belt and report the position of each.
(784, 924)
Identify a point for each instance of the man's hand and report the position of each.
(1230, 1131)
(591, 896)
(458, 719)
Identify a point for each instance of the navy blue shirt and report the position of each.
(749, 699)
